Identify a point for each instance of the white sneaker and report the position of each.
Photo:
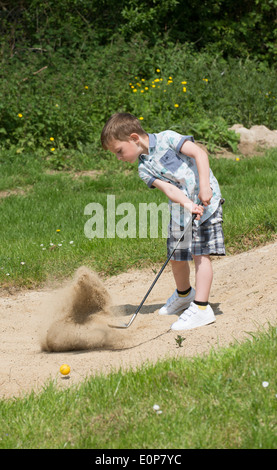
(176, 304)
(194, 317)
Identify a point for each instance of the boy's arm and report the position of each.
(202, 161)
(176, 195)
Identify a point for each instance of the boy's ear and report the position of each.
(135, 137)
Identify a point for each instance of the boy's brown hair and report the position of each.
(120, 126)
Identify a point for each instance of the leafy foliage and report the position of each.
(76, 26)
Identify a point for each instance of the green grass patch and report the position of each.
(224, 400)
(42, 229)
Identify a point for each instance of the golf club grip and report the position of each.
(164, 266)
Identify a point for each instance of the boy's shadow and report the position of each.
(129, 309)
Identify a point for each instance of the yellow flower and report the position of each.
(169, 78)
(143, 79)
(184, 82)
(184, 89)
(86, 87)
(153, 86)
(142, 91)
(158, 70)
(53, 149)
(205, 80)
(176, 106)
(52, 138)
(156, 80)
(58, 230)
(20, 115)
(135, 90)
(237, 159)
(141, 118)
(146, 88)
(169, 81)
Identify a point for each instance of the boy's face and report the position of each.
(127, 151)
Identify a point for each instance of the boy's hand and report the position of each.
(205, 195)
(197, 210)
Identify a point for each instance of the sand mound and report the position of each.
(255, 138)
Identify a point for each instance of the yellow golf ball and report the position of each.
(65, 369)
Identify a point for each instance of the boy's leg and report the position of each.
(203, 277)
(199, 312)
(181, 273)
(184, 294)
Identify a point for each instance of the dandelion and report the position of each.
(205, 80)
(52, 138)
(146, 88)
(169, 81)
(135, 90)
(153, 86)
(53, 149)
(184, 82)
(141, 118)
(169, 78)
(156, 80)
(58, 230)
(237, 159)
(184, 89)
(142, 91)
(86, 87)
(20, 115)
(176, 105)
(143, 79)
(158, 70)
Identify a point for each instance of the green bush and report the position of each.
(68, 101)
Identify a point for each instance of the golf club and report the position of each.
(126, 325)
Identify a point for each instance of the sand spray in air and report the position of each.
(77, 316)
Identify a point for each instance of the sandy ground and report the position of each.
(243, 297)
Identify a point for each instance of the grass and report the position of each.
(32, 251)
(224, 400)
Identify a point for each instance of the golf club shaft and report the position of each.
(164, 266)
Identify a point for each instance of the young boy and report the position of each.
(177, 166)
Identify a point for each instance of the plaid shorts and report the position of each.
(206, 239)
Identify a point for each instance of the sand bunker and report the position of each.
(77, 316)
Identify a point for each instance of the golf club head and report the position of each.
(125, 325)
